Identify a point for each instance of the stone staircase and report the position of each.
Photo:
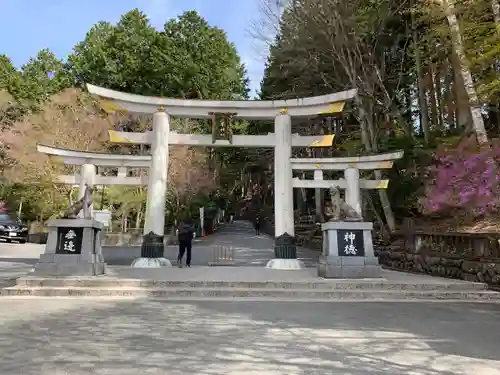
(254, 283)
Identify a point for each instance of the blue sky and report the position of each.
(30, 25)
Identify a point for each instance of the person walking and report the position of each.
(257, 225)
(186, 234)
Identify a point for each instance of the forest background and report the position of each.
(426, 71)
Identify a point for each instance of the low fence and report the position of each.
(222, 256)
(466, 256)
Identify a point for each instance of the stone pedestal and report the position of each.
(285, 254)
(73, 249)
(348, 251)
(152, 250)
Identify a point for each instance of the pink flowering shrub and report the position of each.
(464, 179)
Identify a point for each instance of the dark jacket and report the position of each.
(185, 233)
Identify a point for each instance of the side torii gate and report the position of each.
(351, 167)
(282, 140)
(88, 161)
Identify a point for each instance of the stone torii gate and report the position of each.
(351, 183)
(88, 161)
(351, 167)
(282, 140)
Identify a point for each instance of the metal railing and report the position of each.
(456, 244)
(222, 256)
(467, 256)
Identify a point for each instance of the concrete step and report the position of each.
(305, 294)
(327, 285)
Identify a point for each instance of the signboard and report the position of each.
(351, 243)
(69, 240)
(103, 216)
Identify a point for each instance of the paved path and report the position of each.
(251, 274)
(122, 336)
(59, 336)
(250, 250)
(17, 260)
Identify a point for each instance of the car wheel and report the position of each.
(8, 241)
(22, 241)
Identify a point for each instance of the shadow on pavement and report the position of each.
(70, 336)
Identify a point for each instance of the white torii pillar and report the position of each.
(353, 191)
(285, 251)
(152, 248)
(283, 188)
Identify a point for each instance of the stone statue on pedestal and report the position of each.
(84, 203)
(347, 243)
(74, 243)
(339, 210)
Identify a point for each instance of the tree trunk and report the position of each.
(70, 197)
(408, 98)
(243, 182)
(124, 218)
(367, 127)
(302, 202)
(318, 198)
(450, 103)
(138, 217)
(439, 97)
(432, 97)
(461, 104)
(456, 36)
(495, 7)
(409, 105)
(422, 102)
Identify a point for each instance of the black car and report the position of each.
(11, 228)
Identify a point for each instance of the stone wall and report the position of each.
(428, 258)
(134, 238)
(122, 239)
(39, 238)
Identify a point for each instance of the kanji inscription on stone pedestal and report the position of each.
(69, 240)
(350, 243)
